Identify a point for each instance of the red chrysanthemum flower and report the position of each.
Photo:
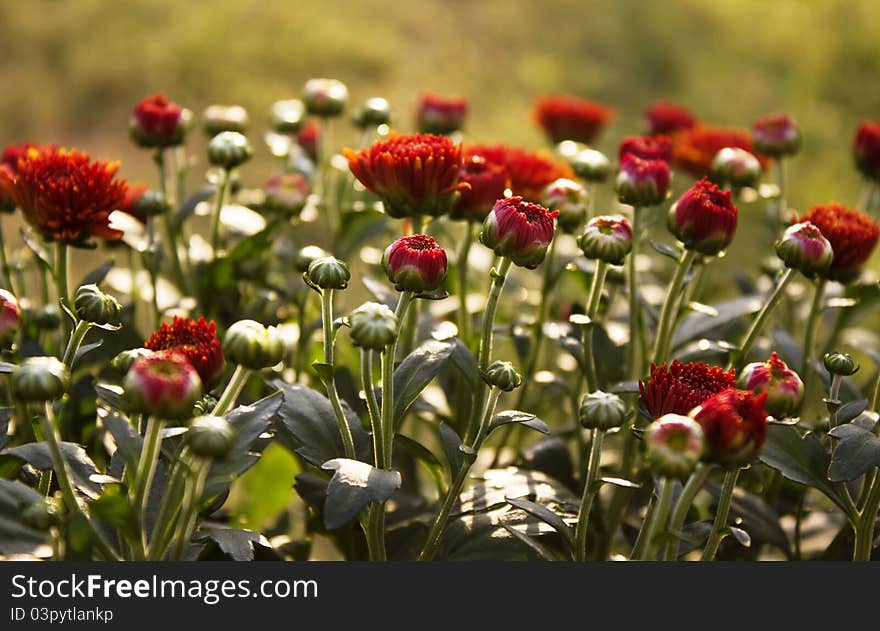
(437, 114)
(486, 181)
(520, 230)
(412, 174)
(494, 154)
(776, 135)
(65, 195)
(157, 122)
(415, 263)
(704, 218)
(866, 149)
(164, 383)
(852, 234)
(197, 340)
(308, 137)
(9, 162)
(565, 117)
(647, 147)
(665, 118)
(694, 149)
(678, 388)
(530, 172)
(734, 424)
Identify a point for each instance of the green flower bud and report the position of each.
(306, 255)
(840, 364)
(329, 272)
(736, 166)
(373, 326)
(210, 437)
(39, 379)
(93, 305)
(123, 361)
(151, 203)
(229, 149)
(376, 111)
(569, 199)
(288, 117)
(602, 410)
(325, 97)
(503, 376)
(607, 238)
(252, 345)
(591, 165)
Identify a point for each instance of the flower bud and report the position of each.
(306, 255)
(157, 123)
(852, 234)
(673, 446)
(151, 203)
(607, 238)
(783, 386)
(776, 135)
(519, 230)
(123, 361)
(602, 410)
(646, 147)
(866, 149)
(591, 165)
(325, 97)
(39, 379)
(210, 437)
(502, 375)
(48, 317)
(287, 193)
(735, 425)
(163, 384)
(415, 263)
(642, 182)
(229, 149)
(569, 199)
(220, 118)
(840, 364)
(39, 515)
(329, 272)
(93, 305)
(803, 247)
(373, 326)
(437, 114)
(252, 345)
(10, 318)
(704, 218)
(288, 117)
(376, 111)
(485, 182)
(736, 167)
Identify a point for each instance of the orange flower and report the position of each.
(65, 195)
(694, 149)
(531, 171)
(565, 117)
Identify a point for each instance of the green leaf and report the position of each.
(697, 325)
(451, 447)
(110, 394)
(188, 207)
(84, 473)
(39, 250)
(97, 275)
(15, 536)
(522, 418)
(857, 451)
(741, 536)
(324, 371)
(354, 485)
(128, 441)
(545, 515)
(415, 372)
(236, 543)
(114, 507)
(250, 421)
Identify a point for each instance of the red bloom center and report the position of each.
(678, 388)
(195, 339)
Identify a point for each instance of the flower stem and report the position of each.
(635, 314)
(464, 319)
(812, 323)
(655, 519)
(452, 494)
(73, 343)
(218, 208)
(236, 384)
(592, 307)
(721, 513)
(682, 506)
(486, 339)
(864, 525)
(171, 229)
(759, 321)
(169, 507)
(781, 204)
(669, 314)
(62, 283)
(369, 386)
(330, 381)
(589, 494)
(190, 510)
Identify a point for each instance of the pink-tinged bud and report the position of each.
(666, 118)
(607, 238)
(776, 135)
(439, 114)
(519, 230)
(647, 147)
(10, 318)
(704, 218)
(782, 385)
(735, 425)
(866, 149)
(803, 247)
(163, 384)
(287, 193)
(415, 263)
(673, 446)
(736, 167)
(157, 123)
(569, 199)
(642, 182)
(485, 182)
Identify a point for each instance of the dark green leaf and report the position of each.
(82, 469)
(238, 544)
(324, 372)
(189, 206)
(546, 515)
(740, 535)
(380, 291)
(354, 485)
(451, 447)
(250, 421)
(857, 451)
(522, 418)
(16, 537)
(415, 372)
(114, 507)
(697, 325)
(86, 348)
(97, 275)
(667, 250)
(36, 246)
(111, 395)
(128, 441)
(849, 411)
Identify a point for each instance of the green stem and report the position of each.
(146, 470)
(218, 208)
(657, 519)
(718, 525)
(682, 506)
(230, 394)
(191, 502)
(812, 323)
(782, 205)
(330, 381)
(171, 228)
(73, 343)
(369, 386)
(635, 314)
(759, 321)
(62, 283)
(589, 494)
(592, 307)
(486, 339)
(864, 526)
(169, 507)
(464, 318)
(668, 315)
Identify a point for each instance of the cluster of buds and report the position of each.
(415, 263)
(519, 230)
(607, 238)
(252, 345)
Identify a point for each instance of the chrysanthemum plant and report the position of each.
(374, 317)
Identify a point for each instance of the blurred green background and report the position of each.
(71, 71)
